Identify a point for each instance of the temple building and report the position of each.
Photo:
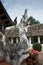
(34, 34)
(5, 20)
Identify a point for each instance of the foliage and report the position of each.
(37, 46)
(33, 57)
(32, 20)
(16, 26)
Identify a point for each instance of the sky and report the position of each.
(17, 7)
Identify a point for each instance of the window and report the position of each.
(18, 39)
(41, 39)
(9, 38)
(28, 37)
(34, 39)
(14, 40)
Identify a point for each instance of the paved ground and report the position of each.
(3, 62)
(41, 57)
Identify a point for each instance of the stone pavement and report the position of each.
(41, 57)
(3, 62)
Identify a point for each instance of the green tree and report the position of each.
(33, 20)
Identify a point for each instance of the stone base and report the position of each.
(23, 63)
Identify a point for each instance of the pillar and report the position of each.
(16, 40)
(38, 39)
(11, 40)
(30, 40)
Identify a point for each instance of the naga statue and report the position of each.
(16, 53)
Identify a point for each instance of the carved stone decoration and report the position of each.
(15, 21)
(1, 36)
